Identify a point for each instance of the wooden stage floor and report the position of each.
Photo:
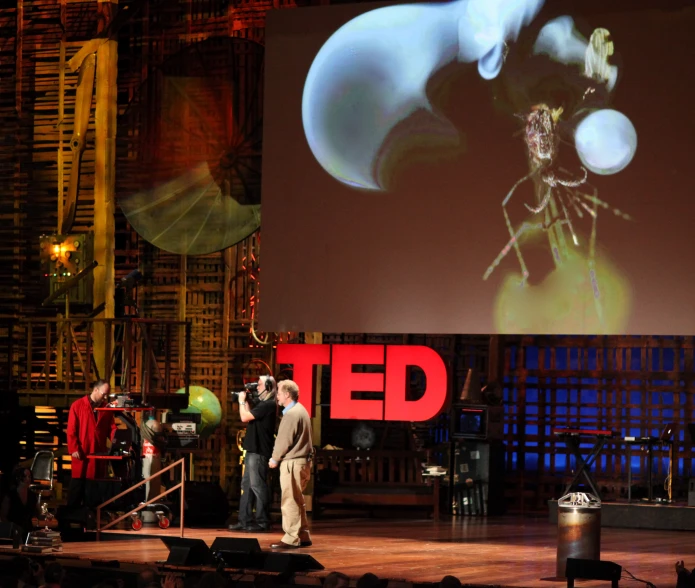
(503, 551)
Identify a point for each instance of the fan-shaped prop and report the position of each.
(190, 149)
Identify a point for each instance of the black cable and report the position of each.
(630, 576)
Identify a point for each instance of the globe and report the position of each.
(203, 401)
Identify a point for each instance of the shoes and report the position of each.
(237, 527)
(283, 545)
(253, 528)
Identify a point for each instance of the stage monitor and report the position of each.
(288, 563)
(460, 167)
(188, 552)
(592, 569)
(469, 422)
(238, 552)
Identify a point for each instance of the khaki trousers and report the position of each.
(294, 476)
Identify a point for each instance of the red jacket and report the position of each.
(88, 436)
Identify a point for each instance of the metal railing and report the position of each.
(131, 512)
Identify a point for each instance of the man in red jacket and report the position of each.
(88, 432)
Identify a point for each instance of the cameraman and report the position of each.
(258, 444)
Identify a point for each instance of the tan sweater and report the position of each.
(294, 435)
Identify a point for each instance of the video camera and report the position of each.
(250, 389)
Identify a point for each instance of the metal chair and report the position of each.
(42, 480)
(42, 473)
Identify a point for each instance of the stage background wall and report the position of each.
(622, 383)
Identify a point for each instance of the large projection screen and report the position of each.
(479, 166)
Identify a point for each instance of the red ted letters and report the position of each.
(395, 358)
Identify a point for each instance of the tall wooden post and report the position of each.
(314, 338)
(495, 369)
(18, 164)
(105, 178)
(228, 260)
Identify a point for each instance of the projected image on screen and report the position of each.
(472, 166)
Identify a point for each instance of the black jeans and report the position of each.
(255, 482)
(91, 493)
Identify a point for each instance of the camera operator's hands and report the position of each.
(242, 396)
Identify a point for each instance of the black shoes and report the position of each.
(283, 545)
(252, 528)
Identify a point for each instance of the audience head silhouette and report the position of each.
(336, 580)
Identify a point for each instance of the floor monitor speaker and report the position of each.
(592, 569)
(288, 563)
(238, 552)
(188, 552)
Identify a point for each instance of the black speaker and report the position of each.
(11, 533)
(206, 504)
(188, 552)
(288, 563)
(592, 569)
(241, 545)
(237, 552)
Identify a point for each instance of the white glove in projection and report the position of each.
(371, 74)
(606, 140)
(561, 41)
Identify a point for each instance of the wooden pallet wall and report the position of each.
(32, 144)
(212, 292)
(10, 177)
(215, 291)
(31, 36)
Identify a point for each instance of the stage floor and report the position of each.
(503, 551)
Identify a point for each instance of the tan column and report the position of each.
(105, 181)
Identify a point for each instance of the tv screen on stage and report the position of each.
(479, 166)
(470, 423)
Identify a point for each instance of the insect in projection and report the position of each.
(605, 141)
(558, 194)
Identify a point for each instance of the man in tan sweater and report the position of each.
(292, 454)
